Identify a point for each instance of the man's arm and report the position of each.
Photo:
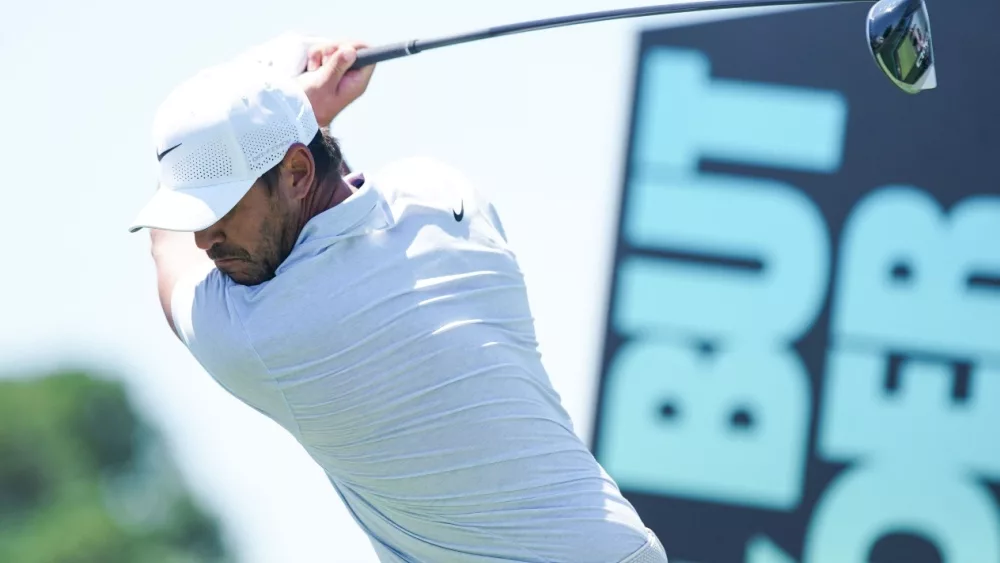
(175, 256)
(323, 68)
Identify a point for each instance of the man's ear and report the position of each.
(299, 171)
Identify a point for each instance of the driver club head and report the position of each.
(899, 34)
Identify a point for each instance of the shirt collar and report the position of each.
(365, 211)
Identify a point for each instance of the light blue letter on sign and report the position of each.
(729, 426)
(907, 289)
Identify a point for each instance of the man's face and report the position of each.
(253, 239)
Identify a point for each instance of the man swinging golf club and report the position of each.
(382, 320)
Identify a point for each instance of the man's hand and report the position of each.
(327, 81)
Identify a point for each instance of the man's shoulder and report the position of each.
(208, 320)
(425, 182)
(215, 320)
(425, 179)
(231, 327)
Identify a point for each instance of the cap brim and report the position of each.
(190, 210)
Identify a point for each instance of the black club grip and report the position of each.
(374, 55)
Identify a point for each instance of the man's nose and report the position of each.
(207, 238)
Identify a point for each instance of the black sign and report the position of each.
(802, 360)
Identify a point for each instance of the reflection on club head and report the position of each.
(899, 33)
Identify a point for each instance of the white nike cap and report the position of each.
(215, 135)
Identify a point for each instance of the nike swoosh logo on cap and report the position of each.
(159, 156)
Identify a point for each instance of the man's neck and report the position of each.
(326, 195)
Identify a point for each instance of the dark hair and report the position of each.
(326, 154)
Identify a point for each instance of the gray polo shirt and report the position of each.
(396, 344)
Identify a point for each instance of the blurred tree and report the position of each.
(84, 480)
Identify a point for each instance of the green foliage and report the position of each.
(84, 480)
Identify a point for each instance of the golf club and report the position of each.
(899, 34)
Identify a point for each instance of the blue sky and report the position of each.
(538, 121)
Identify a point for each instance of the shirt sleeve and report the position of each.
(209, 312)
(207, 321)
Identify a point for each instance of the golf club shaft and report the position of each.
(378, 54)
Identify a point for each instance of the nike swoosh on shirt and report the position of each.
(459, 214)
(159, 156)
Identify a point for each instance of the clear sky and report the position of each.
(538, 121)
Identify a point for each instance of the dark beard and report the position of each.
(279, 233)
(279, 240)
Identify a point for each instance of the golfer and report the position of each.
(380, 319)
